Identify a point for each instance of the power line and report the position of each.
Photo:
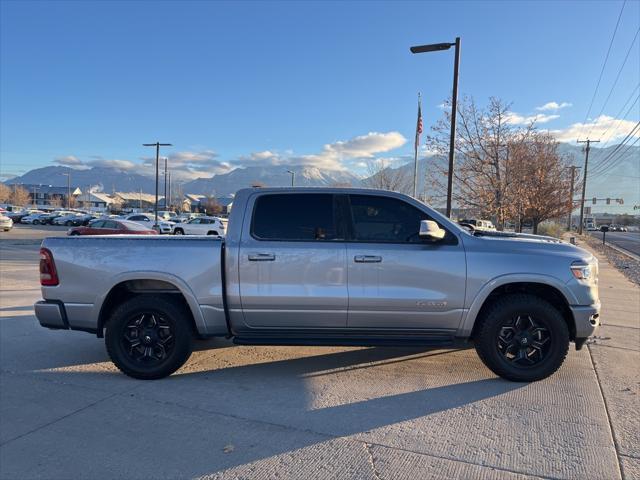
(602, 165)
(617, 115)
(620, 156)
(615, 82)
(617, 124)
(605, 60)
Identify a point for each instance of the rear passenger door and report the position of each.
(396, 279)
(292, 262)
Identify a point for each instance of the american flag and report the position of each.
(418, 125)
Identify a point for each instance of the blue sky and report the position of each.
(330, 83)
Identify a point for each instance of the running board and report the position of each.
(444, 341)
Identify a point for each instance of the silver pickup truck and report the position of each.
(325, 266)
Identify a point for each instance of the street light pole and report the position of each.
(452, 141)
(454, 106)
(165, 183)
(293, 175)
(157, 145)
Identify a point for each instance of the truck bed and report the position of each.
(89, 267)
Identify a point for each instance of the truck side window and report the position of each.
(385, 219)
(307, 216)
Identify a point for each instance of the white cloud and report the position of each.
(517, 119)
(553, 106)
(366, 146)
(186, 165)
(602, 128)
(333, 156)
(123, 165)
(68, 161)
(265, 157)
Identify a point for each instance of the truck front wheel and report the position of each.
(522, 338)
(149, 337)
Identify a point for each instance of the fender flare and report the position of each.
(470, 315)
(177, 282)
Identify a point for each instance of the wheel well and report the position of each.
(541, 290)
(125, 290)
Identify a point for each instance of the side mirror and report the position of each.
(430, 230)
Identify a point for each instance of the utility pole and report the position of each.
(573, 179)
(157, 145)
(584, 180)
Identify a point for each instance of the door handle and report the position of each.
(367, 259)
(261, 257)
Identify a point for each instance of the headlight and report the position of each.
(581, 270)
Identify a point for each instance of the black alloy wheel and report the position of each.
(524, 341)
(150, 336)
(522, 337)
(148, 339)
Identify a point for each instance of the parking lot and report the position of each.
(308, 412)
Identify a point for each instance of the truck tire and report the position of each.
(149, 337)
(522, 338)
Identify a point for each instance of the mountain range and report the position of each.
(617, 179)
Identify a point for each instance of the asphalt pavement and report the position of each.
(629, 241)
(294, 412)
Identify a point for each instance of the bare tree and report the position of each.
(211, 205)
(381, 176)
(5, 193)
(483, 178)
(543, 179)
(19, 196)
(55, 201)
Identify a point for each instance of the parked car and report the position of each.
(112, 227)
(478, 224)
(6, 223)
(341, 267)
(167, 215)
(200, 226)
(148, 220)
(72, 219)
(35, 218)
(16, 215)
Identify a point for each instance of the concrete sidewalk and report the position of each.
(615, 353)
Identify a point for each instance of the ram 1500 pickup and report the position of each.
(325, 266)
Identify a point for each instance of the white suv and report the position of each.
(200, 226)
(147, 219)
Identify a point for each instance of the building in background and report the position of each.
(135, 201)
(48, 196)
(95, 202)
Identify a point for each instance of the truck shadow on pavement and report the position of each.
(278, 407)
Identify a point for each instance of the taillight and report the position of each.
(48, 274)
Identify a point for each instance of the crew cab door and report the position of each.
(396, 279)
(292, 262)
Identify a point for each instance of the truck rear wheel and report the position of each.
(522, 338)
(149, 337)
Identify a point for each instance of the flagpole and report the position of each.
(415, 149)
